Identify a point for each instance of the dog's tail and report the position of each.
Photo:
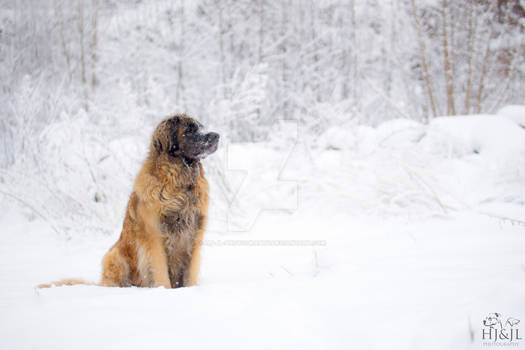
(66, 282)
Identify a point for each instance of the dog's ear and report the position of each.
(158, 146)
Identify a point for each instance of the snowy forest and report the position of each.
(390, 131)
(250, 63)
(78, 75)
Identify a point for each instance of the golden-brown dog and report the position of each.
(166, 213)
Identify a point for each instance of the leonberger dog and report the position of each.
(166, 213)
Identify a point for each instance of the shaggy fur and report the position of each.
(166, 213)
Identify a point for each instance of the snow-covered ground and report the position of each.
(404, 236)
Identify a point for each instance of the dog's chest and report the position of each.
(180, 223)
(180, 220)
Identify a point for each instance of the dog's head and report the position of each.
(183, 137)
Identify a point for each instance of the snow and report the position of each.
(515, 113)
(374, 285)
(486, 134)
(407, 236)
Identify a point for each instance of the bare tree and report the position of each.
(81, 36)
(471, 41)
(484, 63)
(180, 80)
(449, 76)
(424, 63)
(93, 45)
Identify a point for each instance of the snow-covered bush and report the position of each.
(405, 168)
(239, 108)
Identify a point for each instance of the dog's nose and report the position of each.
(212, 137)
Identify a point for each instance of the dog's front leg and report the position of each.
(191, 274)
(154, 262)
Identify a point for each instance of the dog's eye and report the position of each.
(191, 128)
